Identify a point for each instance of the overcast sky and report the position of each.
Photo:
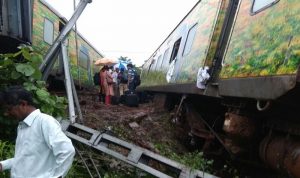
(128, 28)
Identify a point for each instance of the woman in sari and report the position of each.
(106, 84)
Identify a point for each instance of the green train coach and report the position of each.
(36, 23)
(230, 68)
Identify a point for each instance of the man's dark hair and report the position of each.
(130, 65)
(14, 94)
(105, 67)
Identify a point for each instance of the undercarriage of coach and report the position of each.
(260, 133)
(9, 44)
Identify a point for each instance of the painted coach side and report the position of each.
(256, 44)
(264, 44)
(36, 23)
(262, 56)
(198, 34)
(249, 106)
(82, 63)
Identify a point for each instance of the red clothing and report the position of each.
(107, 89)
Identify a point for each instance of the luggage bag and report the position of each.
(131, 100)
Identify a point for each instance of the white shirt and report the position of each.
(115, 76)
(42, 149)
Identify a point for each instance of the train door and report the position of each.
(170, 74)
(165, 61)
(26, 10)
(15, 23)
(60, 70)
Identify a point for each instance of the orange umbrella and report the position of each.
(105, 61)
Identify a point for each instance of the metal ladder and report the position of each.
(129, 153)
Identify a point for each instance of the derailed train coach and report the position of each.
(37, 23)
(230, 69)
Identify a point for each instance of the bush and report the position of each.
(22, 68)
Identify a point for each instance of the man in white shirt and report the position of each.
(42, 150)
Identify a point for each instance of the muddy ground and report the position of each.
(148, 125)
(145, 125)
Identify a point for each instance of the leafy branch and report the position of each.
(22, 68)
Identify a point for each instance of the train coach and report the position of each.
(230, 70)
(36, 23)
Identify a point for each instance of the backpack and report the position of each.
(137, 79)
(96, 78)
(124, 77)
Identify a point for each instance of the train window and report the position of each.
(175, 50)
(190, 39)
(259, 5)
(151, 64)
(164, 61)
(83, 57)
(48, 31)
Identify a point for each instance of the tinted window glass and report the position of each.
(83, 57)
(151, 64)
(259, 5)
(158, 63)
(165, 61)
(175, 50)
(190, 40)
(48, 31)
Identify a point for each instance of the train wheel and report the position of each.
(190, 129)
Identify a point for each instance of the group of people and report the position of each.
(115, 82)
(41, 148)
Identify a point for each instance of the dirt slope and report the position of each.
(147, 125)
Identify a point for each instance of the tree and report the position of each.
(22, 68)
(125, 59)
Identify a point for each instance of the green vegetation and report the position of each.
(21, 68)
(194, 160)
(6, 151)
(154, 78)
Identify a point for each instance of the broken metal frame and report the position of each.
(84, 161)
(136, 156)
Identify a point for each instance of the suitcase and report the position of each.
(143, 97)
(131, 100)
(115, 100)
(129, 92)
(122, 99)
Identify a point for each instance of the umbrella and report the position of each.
(121, 65)
(105, 61)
